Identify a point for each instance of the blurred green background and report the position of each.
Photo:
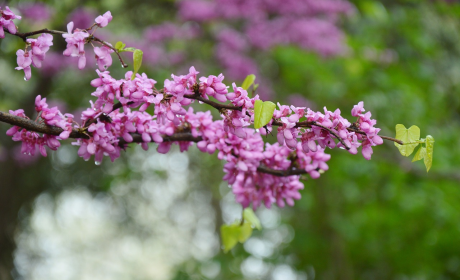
(152, 216)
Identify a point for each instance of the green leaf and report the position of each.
(230, 235)
(429, 144)
(245, 232)
(137, 59)
(407, 136)
(130, 49)
(263, 113)
(248, 81)
(256, 86)
(249, 216)
(420, 154)
(120, 45)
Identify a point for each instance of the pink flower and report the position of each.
(103, 57)
(39, 48)
(24, 60)
(76, 44)
(103, 20)
(6, 20)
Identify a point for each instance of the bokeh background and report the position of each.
(154, 216)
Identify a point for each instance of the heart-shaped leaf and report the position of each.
(407, 136)
(263, 113)
(230, 235)
(420, 154)
(429, 144)
(245, 232)
(137, 60)
(248, 81)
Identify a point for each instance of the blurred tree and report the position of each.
(363, 220)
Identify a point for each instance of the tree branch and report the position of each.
(216, 105)
(281, 173)
(137, 138)
(91, 37)
(383, 137)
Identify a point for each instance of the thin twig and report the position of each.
(281, 173)
(392, 139)
(24, 36)
(383, 137)
(216, 105)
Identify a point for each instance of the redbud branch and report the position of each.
(383, 137)
(216, 105)
(137, 138)
(392, 139)
(24, 36)
(38, 127)
(220, 106)
(281, 173)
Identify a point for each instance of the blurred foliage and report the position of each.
(380, 219)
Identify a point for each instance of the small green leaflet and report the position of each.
(250, 216)
(263, 113)
(407, 136)
(429, 143)
(137, 59)
(239, 231)
(234, 233)
(248, 81)
(420, 154)
(230, 235)
(120, 45)
(411, 137)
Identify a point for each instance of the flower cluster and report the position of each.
(366, 124)
(259, 173)
(32, 141)
(303, 134)
(6, 20)
(75, 39)
(76, 44)
(35, 56)
(110, 123)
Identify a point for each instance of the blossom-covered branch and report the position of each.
(31, 125)
(76, 39)
(258, 172)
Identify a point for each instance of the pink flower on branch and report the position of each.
(6, 20)
(76, 44)
(259, 173)
(24, 61)
(103, 57)
(103, 20)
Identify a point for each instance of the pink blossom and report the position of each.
(6, 20)
(103, 20)
(24, 61)
(39, 48)
(76, 44)
(103, 57)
